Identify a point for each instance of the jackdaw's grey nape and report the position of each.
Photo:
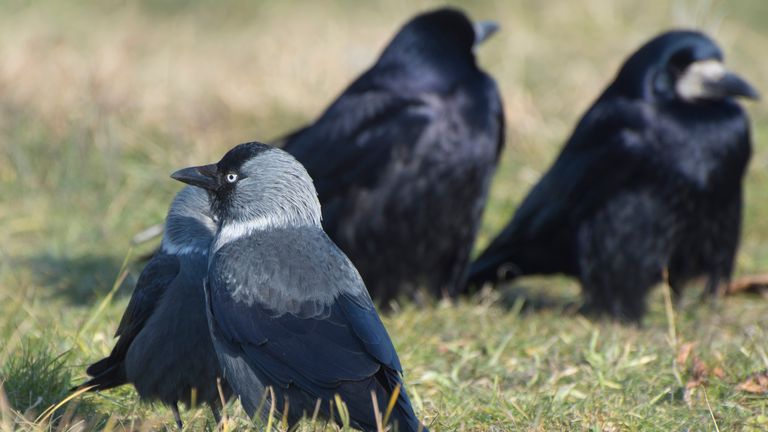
(164, 347)
(286, 308)
(403, 159)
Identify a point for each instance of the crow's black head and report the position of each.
(679, 65)
(441, 41)
(254, 181)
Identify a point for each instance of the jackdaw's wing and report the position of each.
(354, 141)
(299, 312)
(153, 281)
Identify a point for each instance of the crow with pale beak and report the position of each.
(403, 158)
(286, 309)
(650, 183)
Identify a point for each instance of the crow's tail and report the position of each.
(484, 270)
(507, 259)
(495, 264)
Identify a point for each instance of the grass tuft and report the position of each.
(35, 378)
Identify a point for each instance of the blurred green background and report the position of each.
(100, 101)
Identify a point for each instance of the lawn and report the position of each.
(100, 101)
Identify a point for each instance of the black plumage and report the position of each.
(164, 347)
(650, 180)
(287, 310)
(402, 160)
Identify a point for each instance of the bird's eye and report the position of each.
(231, 178)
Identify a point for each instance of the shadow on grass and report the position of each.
(529, 299)
(80, 280)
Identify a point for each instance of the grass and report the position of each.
(102, 100)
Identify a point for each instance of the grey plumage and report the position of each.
(286, 308)
(164, 347)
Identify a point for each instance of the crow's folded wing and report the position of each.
(358, 137)
(607, 151)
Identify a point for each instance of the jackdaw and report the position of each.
(164, 347)
(402, 160)
(650, 180)
(285, 306)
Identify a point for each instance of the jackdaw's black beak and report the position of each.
(484, 30)
(205, 176)
(732, 85)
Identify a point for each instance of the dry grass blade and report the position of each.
(315, 413)
(6, 413)
(755, 384)
(684, 352)
(272, 407)
(148, 234)
(391, 404)
(709, 408)
(45, 415)
(286, 408)
(224, 419)
(122, 274)
(111, 423)
(343, 411)
(752, 284)
(377, 412)
(670, 311)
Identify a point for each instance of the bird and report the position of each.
(164, 347)
(288, 313)
(402, 159)
(647, 188)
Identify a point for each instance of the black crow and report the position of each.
(650, 180)
(285, 306)
(402, 160)
(164, 347)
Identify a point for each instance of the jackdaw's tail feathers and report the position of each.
(106, 374)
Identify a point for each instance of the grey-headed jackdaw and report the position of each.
(286, 308)
(164, 347)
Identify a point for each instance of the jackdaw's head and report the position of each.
(189, 226)
(680, 65)
(257, 183)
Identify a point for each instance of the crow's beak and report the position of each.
(205, 176)
(710, 80)
(484, 30)
(732, 85)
